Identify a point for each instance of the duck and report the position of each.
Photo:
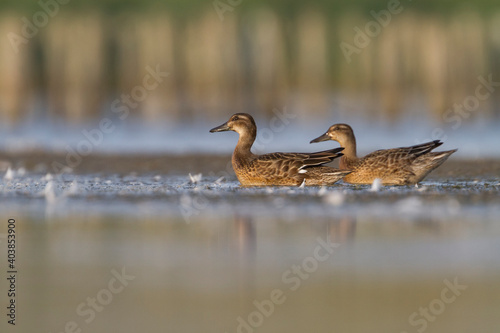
(277, 169)
(396, 166)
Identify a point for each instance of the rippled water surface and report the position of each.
(165, 252)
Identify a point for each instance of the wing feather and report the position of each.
(291, 163)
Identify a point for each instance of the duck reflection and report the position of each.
(342, 230)
(245, 236)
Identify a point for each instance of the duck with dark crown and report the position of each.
(397, 166)
(288, 169)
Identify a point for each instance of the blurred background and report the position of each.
(67, 64)
(105, 111)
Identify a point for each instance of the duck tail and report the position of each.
(441, 156)
(433, 159)
(424, 164)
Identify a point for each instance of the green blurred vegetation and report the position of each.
(282, 7)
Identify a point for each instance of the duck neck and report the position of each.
(350, 156)
(245, 142)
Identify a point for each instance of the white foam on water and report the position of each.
(50, 192)
(376, 185)
(322, 191)
(73, 189)
(334, 198)
(9, 174)
(410, 205)
(21, 172)
(195, 179)
(48, 177)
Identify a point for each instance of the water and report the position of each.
(475, 139)
(201, 254)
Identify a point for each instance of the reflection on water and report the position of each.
(144, 252)
(237, 273)
(342, 230)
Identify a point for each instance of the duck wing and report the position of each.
(396, 163)
(423, 148)
(292, 164)
(401, 154)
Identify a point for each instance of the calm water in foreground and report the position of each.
(160, 253)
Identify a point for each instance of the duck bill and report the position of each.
(221, 128)
(321, 138)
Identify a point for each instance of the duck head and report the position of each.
(239, 122)
(341, 133)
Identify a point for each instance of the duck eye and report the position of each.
(235, 118)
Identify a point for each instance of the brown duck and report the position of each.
(289, 169)
(397, 166)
